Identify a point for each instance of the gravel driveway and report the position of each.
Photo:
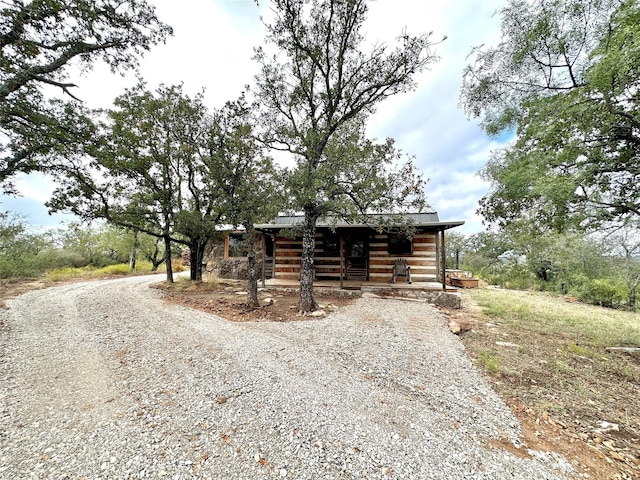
(102, 380)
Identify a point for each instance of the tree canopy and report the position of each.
(250, 185)
(322, 84)
(146, 171)
(565, 77)
(166, 166)
(40, 42)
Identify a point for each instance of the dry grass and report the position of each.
(548, 355)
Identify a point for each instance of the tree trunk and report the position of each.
(252, 269)
(132, 261)
(153, 258)
(307, 303)
(167, 258)
(133, 255)
(196, 257)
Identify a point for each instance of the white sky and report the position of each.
(212, 48)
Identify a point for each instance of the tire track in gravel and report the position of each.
(62, 368)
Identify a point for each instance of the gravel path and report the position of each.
(102, 380)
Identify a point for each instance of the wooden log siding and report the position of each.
(423, 260)
(288, 252)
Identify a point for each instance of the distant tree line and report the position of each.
(29, 253)
(595, 269)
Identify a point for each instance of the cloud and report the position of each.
(427, 122)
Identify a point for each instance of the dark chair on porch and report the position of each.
(401, 269)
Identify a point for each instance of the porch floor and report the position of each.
(362, 285)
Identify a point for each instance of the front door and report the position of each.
(357, 254)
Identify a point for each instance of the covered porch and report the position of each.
(360, 256)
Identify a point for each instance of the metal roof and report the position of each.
(425, 219)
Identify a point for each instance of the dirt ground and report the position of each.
(228, 300)
(553, 417)
(564, 411)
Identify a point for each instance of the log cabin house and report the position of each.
(357, 252)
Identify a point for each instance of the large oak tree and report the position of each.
(145, 172)
(320, 79)
(565, 77)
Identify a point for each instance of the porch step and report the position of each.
(357, 273)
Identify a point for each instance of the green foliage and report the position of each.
(316, 94)
(39, 40)
(456, 243)
(19, 249)
(602, 270)
(170, 169)
(604, 291)
(147, 174)
(565, 76)
(70, 251)
(519, 277)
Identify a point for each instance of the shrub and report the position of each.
(68, 273)
(607, 292)
(177, 266)
(118, 269)
(513, 275)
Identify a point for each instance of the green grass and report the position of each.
(490, 360)
(546, 314)
(558, 362)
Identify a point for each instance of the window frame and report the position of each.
(228, 245)
(397, 243)
(334, 252)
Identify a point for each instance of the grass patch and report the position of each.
(489, 359)
(119, 269)
(550, 353)
(546, 314)
(92, 273)
(70, 273)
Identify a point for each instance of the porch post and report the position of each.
(341, 261)
(264, 257)
(273, 264)
(444, 264)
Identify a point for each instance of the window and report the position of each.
(331, 244)
(236, 246)
(400, 245)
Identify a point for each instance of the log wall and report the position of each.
(423, 261)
